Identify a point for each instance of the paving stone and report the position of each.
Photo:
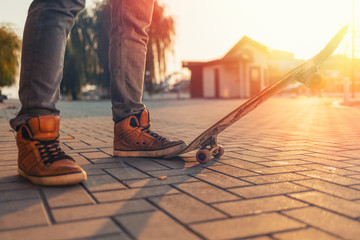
(95, 155)
(330, 188)
(8, 162)
(10, 167)
(93, 141)
(259, 205)
(8, 146)
(354, 176)
(177, 172)
(262, 149)
(21, 214)
(24, 184)
(145, 164)
(136, 193)
(111, 236)
(154, 225)
(243, 157)
(80, 230)
(102, 182)
(10, 176)
(355, 186)
(106, 160)
(274, 178)
(149, 182)
(282, 169)
(178, 164)
(351, 154)
(283, 163)
(187, 209)
(356, 169)
(81, 160)
(328, 162)
(242, 164)
(285, 152)
(290, 147)
(330, 177)
(100, 210)
(67, 196)
(77, 145)
(285, 157)
(206, 192)
(267, 190)
(255, 154)
(108, 150)
(246, 226)
(332, 203)
(329, 169)
(309, 233)
(126, 173)
(328, 156)
(221, 180)
(105, 165)
(327, 221)
(19, 195)
(8, 155)
(261, 238)
(233, 171)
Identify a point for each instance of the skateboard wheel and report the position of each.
(315, 81)
(203, 156)
(220, 151)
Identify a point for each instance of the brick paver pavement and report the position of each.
(291, 170)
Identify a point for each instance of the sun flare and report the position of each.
(208, 29)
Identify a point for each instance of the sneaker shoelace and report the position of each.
(155, 135)
(50, 151)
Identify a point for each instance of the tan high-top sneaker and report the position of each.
(133, 138)
(41, 160)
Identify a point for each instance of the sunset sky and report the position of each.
(207, 29)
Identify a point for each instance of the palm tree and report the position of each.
(80, 65)
(87, 59)
(161, 39)
(101, 28)
(10, 45)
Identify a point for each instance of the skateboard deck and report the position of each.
(306, 73)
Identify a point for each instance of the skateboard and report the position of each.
(307, 73)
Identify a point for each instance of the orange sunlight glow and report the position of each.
(207, 29)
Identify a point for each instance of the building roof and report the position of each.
(242, 42)
(246, 55)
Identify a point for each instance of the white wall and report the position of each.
(259, 59)
(229, 81)
(209, 82)
(235, 78)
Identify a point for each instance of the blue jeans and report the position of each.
(45, 35)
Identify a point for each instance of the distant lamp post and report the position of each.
(353, 80)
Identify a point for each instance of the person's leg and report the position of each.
(40, 158)
(44, 40)
(127, 56)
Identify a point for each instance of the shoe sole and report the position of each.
(66, 179)
(152, 153)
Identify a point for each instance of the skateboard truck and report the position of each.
(209, 148)
(313, 79)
